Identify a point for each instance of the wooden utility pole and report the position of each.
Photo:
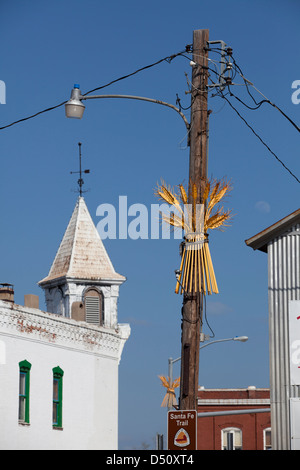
(193, 301)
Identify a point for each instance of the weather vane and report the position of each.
(80, 180)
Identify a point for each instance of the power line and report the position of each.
(165, 59)
(266, 100)
(219, 92)
(236, 69)
(248, 83)
(261, 140)
(32, 116)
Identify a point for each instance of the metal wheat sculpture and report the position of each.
(196, 269)
(170, 397)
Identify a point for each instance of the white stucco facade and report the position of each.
(89, 357)
(71, 352)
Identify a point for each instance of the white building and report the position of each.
(59, 369)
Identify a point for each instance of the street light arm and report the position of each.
(216, 341)
(236, 338)
(75, 108)
(172, 361)
(142, 98)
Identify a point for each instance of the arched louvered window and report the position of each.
(93, 301)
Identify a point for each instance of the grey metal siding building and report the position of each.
(281, 242)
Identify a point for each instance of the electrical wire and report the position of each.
(261, 140)
(222, 95)
(236, 69)
(165, 59)
(247, 82)
(265, 100)
(205, 316)
(33, 115)
(257, 106)
(253, 108)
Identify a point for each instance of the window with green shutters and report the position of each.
(57, 397)
(24, 391)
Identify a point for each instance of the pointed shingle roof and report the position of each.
(81, 254)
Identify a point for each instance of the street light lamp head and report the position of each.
(177, 273)
(241, 338)
(74, 108)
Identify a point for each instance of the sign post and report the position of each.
(182, 430)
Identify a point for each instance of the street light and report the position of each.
(171, 361)
(236, 338)
(74, 108)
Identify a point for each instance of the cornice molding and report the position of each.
(44, 327)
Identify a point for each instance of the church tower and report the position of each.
(82, 283)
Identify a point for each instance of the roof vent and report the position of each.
(7, 292)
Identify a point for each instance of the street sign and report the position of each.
(182, 430)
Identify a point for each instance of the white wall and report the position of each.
(90, 382)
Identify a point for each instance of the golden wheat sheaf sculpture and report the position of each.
(196, 272)
(170, 397)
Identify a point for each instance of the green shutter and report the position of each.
(57, 397)
(24, 391)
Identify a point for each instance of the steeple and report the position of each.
(80, 266)
(81, 254)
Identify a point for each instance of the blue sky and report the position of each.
(129, 146)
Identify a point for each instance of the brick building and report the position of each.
(249, 431)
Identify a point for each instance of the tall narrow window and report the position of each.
(24, 386)
(93, 307)
(267, 439)
(231, 439)
(57, 397)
